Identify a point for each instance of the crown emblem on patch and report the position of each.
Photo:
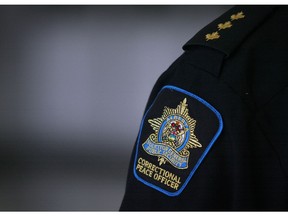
(173, 136)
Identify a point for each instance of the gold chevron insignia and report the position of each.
(224, 25)
(212, 36)
(237, 16)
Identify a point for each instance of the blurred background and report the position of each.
(74, 81)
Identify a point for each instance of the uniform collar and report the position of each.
(231, 28)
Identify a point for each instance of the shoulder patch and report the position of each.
(176, 133)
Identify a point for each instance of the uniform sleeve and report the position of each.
(178, 129)
(213, 135)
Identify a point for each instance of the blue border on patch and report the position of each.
(202, 156)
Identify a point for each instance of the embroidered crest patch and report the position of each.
(176, 133)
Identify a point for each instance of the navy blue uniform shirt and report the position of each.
(214, 134)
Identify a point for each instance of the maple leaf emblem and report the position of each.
(224, 25)
(237, 16)
(212, 36)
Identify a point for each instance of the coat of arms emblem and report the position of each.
(173, 136)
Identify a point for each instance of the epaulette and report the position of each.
(228, 31)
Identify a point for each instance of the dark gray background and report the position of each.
(74, 81)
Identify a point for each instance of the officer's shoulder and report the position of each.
(228, 31)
